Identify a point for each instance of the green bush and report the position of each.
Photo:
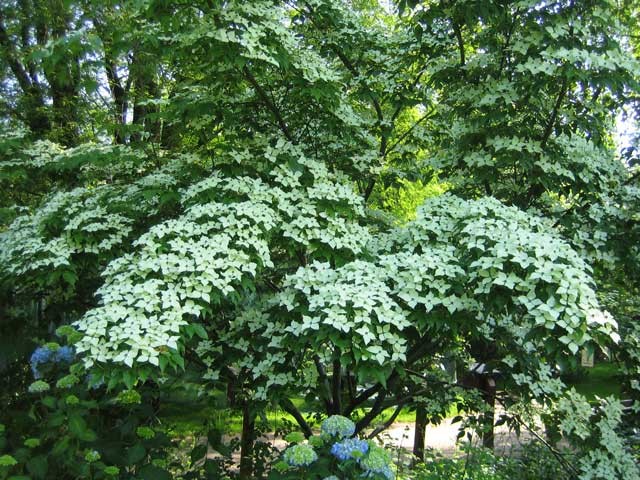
(75, 429)
(534, 462)
(332, 455)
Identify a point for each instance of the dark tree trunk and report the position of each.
(119, 97)
(246, 442)
(63, 77)
(489, 396)
(420, 433)
(145, 88)
(119, 90)
(31, 108)
(65, 109)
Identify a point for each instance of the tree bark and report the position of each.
(63, 75)
(32, 105)
(246, 442)
(119, 90)
(489, 395)
(145, 88)
(420, 433)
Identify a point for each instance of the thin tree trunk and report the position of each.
(32, 107)
(246, 442)
(119, 90)
(420, 433)
(489, 395)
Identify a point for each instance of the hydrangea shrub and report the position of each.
(334, 454)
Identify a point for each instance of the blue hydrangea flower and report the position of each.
(385, 471)
(377, 462)
(344, 450)
(331, 477)
(338, 426)
(95, 384)
(300, 455)
(64, 354)
(39, 356)
(45, 354)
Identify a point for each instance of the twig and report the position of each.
(407, 132)
(288, 406)
(386, 424)
(270, 105)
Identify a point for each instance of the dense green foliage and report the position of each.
(324, 199)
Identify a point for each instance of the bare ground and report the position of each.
(441, 438)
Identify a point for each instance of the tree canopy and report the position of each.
(321, 198)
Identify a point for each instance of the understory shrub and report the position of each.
(533, 462)
(75, 429)
(333, 455)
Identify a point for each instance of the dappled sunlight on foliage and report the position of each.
(342, 210)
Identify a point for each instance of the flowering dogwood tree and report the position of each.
(230, 227)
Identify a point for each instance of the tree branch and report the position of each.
(336, 384)
(507, 42)
(363, 397)
(118, 93)
(322, 375)
(374, 100)
(419, 351)
(386, 424)
(354, 71)
(413, 86)
(270, 105)
(407, 132)
(632, 178)
(554, 113)
(458, 34)
(11, 56)
(373, 413)
(369, 190)
(288, 406)
(566, 465)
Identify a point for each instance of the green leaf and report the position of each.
(380, 375)
(77, 425)
(60, 446)
(213, 470)
(281, 466)
(80, 429)
(214, 437)
(152, 472)
(294, 437)
(163, 360)
(49, 401)
(38, 466)
(200, 331)
(178, 360)
(129, 378)
(198, 453)
(135, 454)
(69, 277)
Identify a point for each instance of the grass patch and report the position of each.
(599, 381)
(185, 414)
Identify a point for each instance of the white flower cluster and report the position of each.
(218, 245)
(476, 268)
(97, 220)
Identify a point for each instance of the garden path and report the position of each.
(441, 438)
